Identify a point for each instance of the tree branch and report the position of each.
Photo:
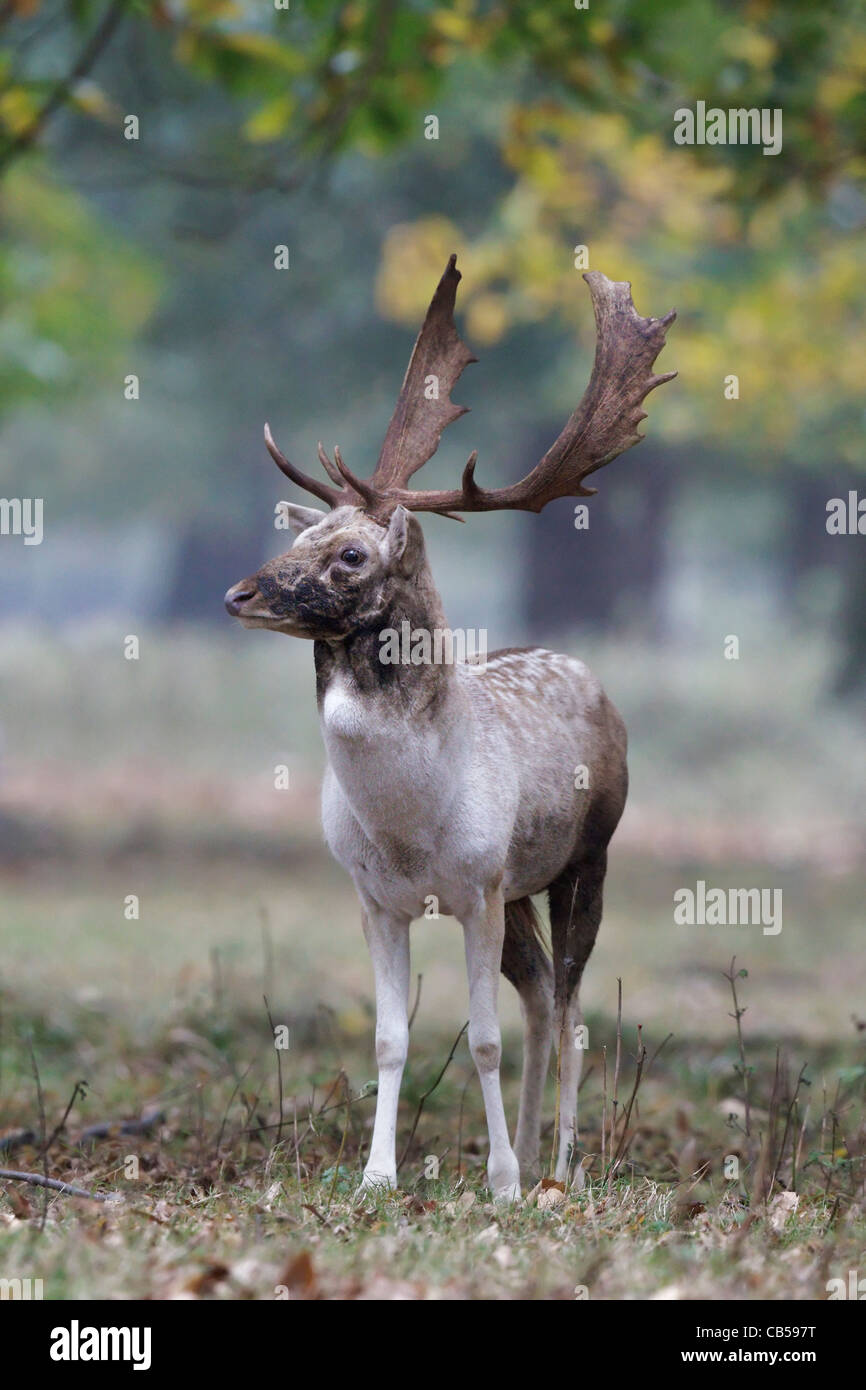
(58, 97)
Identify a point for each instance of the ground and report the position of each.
(157, 887)
(167, 1013)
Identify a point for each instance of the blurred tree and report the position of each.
(556, 130)
(71, 292)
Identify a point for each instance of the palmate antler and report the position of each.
(602, 427)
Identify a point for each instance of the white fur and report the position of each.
(413, 809)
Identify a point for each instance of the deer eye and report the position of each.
(351, 556)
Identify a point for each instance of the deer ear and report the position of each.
(300, 519)
(398, 534)
(404, 541)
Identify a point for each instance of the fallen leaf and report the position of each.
(781, 1208)
(416, 1207)
(550, 1197)
(207, 1279)
(299, 1277)
(18, 1202)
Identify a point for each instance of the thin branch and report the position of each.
(737, 1015)
(428, 1093)
(662, 1044)
(342, 1141)
(108, 1129)
(40, 1100)
(60, 94)
(240, 1081)
(415, 1005)
(278, 1051)
(781, 1154)
(39, 1180)
(80, 1088)
(615, 1097)
(623, 1147)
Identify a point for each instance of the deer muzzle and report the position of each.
(237, 596)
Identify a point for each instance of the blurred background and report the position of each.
(154, 158)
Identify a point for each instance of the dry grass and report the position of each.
(227, 1204)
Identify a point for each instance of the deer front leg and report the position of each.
(388, 941)
(484, 934)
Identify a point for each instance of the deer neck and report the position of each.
(393, 730)
(379, 670)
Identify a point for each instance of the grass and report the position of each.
(155, 779)
(167, 1012)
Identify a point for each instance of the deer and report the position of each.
(454, 781)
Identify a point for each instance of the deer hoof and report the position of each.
(510, 1193)
(378, 1182)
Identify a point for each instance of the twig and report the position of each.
(662, 1044)
(106, 1129)
(781, 1153)
(267, 949)
(40, 1180)
(615, 1100)
(736, 1016)
(832, 1216)
(415, 1005)
(603, 1105)
(342, 1141)
(279, 1068)
(799, 1146)
(40, 1100)
(295, 1130)
(325, 1110)
(429, 1093)
(240, 1081)
(622, 1147)
(80, 1088)
(311, 1128)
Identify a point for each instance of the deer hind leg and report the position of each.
(484, 937)
(525, 965)
(575, 916)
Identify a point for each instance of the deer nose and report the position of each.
(236, 596)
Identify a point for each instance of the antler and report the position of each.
(602, 427)
(425, 406)
(423, 410)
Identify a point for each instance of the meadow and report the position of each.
(236, 1175)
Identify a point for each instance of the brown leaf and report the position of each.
(18, 1202)
(551, 1196)
(206, 1280)
(416, 1207)
(299, 1276)
(693, 1209)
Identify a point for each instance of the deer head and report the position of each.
(343, 569)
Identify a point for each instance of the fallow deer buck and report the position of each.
(456, 780)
